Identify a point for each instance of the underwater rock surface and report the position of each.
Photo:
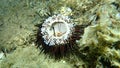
(99, 46)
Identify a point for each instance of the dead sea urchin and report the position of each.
(58, 35)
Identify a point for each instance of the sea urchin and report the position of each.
(58, 35)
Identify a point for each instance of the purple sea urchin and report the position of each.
(58, 35)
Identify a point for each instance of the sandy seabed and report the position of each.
(99, 45)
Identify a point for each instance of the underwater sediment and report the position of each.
(98, 47)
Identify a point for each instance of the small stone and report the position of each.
(1, 55)
(118, 15)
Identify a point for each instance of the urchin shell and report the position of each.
(57, 30)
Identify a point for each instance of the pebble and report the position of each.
(118, 15)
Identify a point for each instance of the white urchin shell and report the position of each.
(57, 30)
